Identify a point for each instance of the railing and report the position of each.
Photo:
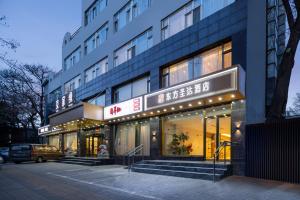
(131, 154)
(222, 146)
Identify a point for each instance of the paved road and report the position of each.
(72, 182)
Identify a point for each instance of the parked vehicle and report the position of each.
(4, 153)
(34, 152)
(1, 162)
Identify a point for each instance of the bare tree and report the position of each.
(22, 90)
(279, 101)
(295, 109)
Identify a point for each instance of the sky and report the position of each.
(40, 25)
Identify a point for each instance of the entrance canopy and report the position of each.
(82, 115)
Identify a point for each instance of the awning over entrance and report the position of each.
(79, 111)
(79, 116)
(214, 89)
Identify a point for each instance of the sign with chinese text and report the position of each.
(64, 102)
(44, 130)
(211, 85)
(125, 108)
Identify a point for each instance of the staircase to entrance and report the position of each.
(88, 161)
(188, 169)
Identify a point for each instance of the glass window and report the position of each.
(70, 143)
(131, 135)
(98, 38)
(186, 16)
(97, 7)
(134, 47)
(99, 101)
(207, 62)
(72, 84)
(96, 70)
(72, 59)
(183, 135)
(132, 9)
(54, 141)
(131, 90)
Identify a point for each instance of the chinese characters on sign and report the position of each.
(203, 87)
(129, 107)
(64, 102)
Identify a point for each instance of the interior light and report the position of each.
(210, 100)
(133, 116)
(138, 115)
(173, 108)
(220, 98)
(151, 113)
(165, 110)
(199, 102)
(144, 114)
(190, 105)
(180, 107)
(232, 96)
(158, 111)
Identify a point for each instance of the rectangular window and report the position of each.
(131, 90)
(72, 59)
(129, 136)
(189, 14)
(131, 10)
(134, 47)
(92, 12)
(70, 144)
(207, 62)
(97, 39)
(99, 100)
(96, 70)
(73, 84)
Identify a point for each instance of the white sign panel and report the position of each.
(129, 107)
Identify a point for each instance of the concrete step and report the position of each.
(87, 161)
(204, 164)
(78, 163)
(185, 174)
(183, 168)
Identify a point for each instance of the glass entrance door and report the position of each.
(92, 144)
(218, 130)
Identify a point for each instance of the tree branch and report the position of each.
(289, 12)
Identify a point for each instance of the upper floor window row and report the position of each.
(54, 95)
(207, 62)
(189, 14)
(131, 90)
(72, 59)
(96, 70)
(131, 10)
(91, 13)
(73, 84)
(134, 47)
(98, 38)
(98, 100)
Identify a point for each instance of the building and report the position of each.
(179, 77)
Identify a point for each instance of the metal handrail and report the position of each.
(217, 153)
(132, 153)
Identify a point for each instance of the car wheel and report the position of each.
(40, 160)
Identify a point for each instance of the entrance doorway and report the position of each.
(92, 144)
(218, 130)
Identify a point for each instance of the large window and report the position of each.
(55, 141)
(72, 59)
(98, 38)
(98, 100)
(136, 46)
(54, 95)
(189, 14)
(91, 13)
(132, 9)
(131, 135)
(131, 90)
(96, 70)
(207, 62)
(183, 135)
(72, 84)
(70, 143)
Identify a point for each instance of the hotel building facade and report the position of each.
(177, 77)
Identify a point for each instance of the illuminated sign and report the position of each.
(129, 107)
(44, 130)
(64, 102)
(211, 85)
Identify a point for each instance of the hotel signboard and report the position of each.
(218, 83)
(129, 107)
(65, 101)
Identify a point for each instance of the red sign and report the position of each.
(115, 110)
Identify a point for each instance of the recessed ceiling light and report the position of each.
(151, 113)
(232, 96)
(190, 105)
(210, 100)
(158, 111)
(165, 110)
(220, 98)
(180, 107)
(199, 102)
(173, 108)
